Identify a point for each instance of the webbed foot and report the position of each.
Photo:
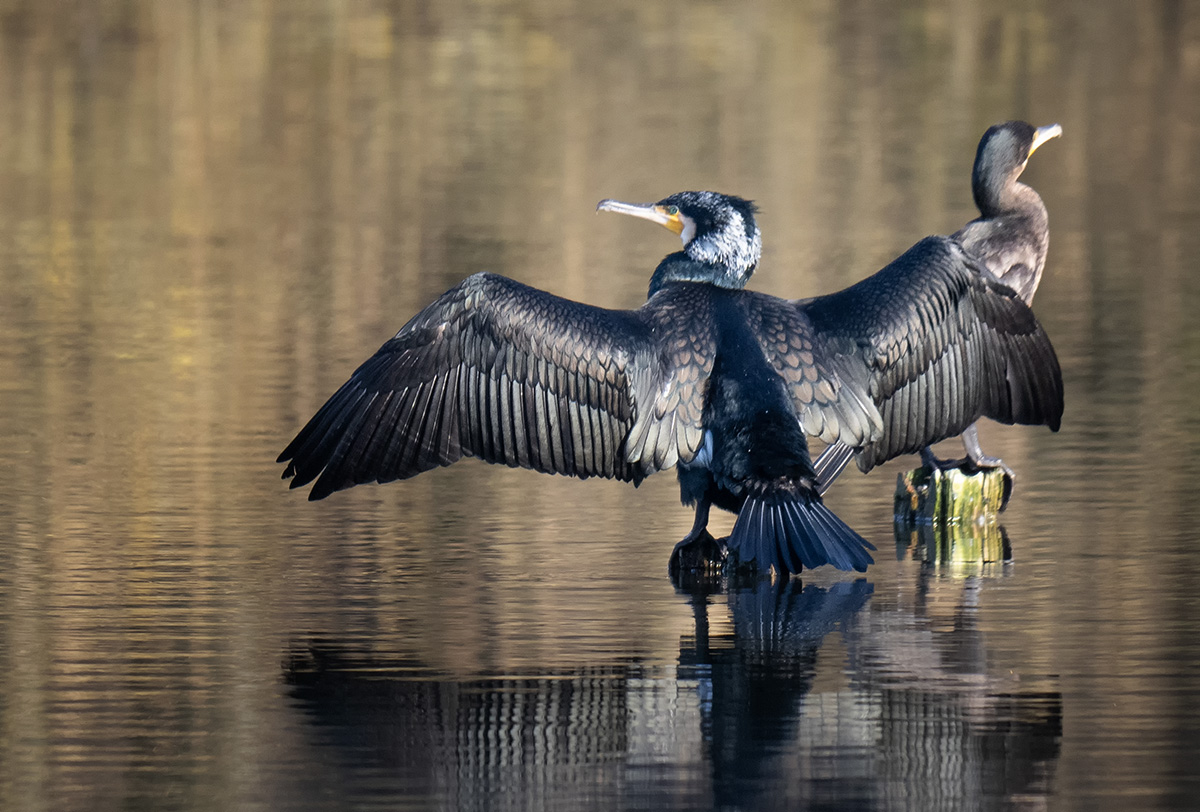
(984, 463)
(975, 462)
(698, 553)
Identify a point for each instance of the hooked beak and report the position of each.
(647, 211)
(1043, 134)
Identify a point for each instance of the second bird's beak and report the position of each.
(1043, 134)
(647, 211)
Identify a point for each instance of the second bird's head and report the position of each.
(718, 231)
(1000, 159)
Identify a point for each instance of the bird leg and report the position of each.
(698, 551)
(975, 453)
(974, 462)
(982, 461)
(931, 461)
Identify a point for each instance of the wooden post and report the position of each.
(951, 515)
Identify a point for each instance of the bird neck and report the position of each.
(994, 199)
(680, 267)
(736, 245)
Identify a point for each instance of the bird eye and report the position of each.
(672, 210)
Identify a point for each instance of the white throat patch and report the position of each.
(689, 229)
(727, 246)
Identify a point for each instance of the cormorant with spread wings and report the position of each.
(717, 381)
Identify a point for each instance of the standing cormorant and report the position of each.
(705, 376)
(1010, 239)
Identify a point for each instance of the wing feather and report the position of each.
(513, 375)
(940, 344)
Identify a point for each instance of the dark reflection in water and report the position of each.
(738, 725)
(755, 678)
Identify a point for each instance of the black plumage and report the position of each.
(720, 382)
(476, 374)
(510, 374)
(939, 344)
(1006, 243)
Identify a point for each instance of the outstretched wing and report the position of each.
(940, 344)
(830, 399)
(508, 373)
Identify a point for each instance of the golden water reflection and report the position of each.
(210, 213)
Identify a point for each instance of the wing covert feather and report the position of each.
(829, 397)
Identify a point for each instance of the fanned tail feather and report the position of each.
(790, 533)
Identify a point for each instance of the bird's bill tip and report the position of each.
(1043, 134)
(647, 211)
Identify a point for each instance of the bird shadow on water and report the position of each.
(784, 695)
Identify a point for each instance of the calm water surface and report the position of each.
(210, 213)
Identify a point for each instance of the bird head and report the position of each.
(718, 231)
(1003, 152)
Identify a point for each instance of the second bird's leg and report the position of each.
(932, 461)
(975, 458)
(698, 550)
(983, 462)
(975, 453)
(975, 461)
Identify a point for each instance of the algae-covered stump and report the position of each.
(952, 495)
(953, 514)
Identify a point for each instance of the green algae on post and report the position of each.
(952, 515)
